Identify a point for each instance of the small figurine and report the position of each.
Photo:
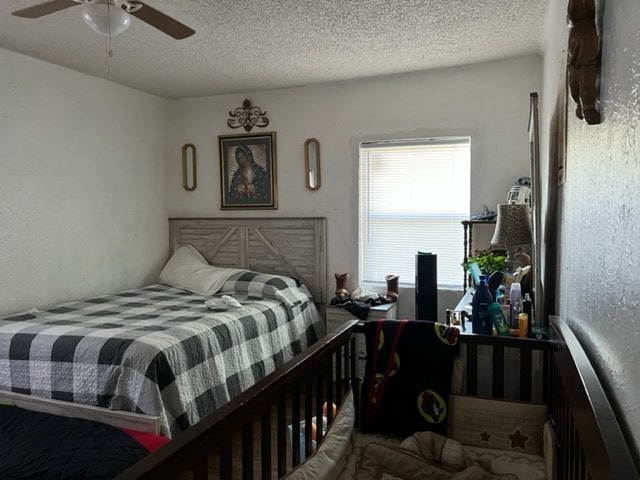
(582, 59)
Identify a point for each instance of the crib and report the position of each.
(251, 437)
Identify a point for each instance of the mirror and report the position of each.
(189, 177)
(312, 163)
(539, 299)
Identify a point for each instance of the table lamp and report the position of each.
(513, 229)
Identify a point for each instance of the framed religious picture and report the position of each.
(248, 171)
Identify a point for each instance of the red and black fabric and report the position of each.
(42, 446)
(408, 376)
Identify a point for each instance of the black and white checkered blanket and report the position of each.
(158, 350)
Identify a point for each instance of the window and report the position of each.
(413, 196)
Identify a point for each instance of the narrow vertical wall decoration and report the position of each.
(583, 55)
(189, 170)
(312, 177)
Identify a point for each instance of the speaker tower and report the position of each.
(426, 286)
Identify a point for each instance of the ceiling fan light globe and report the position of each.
(106, 19)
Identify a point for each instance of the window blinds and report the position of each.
(413, 196)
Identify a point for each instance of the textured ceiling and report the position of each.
(247, 45)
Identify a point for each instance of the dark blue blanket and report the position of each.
(42, 446)
(408, 376)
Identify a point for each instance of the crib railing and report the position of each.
(257, 435)
(591, 442)
(251, 436)
(506, 367)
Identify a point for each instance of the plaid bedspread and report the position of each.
(158, 350)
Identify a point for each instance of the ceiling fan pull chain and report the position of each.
(109, 50)
(109, 53)
(109, 57)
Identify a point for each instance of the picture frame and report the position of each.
(248, 178)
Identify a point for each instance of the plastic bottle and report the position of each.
(523, 325)
(527, 307)
(515, 299)
(497, 317)
(480, 319)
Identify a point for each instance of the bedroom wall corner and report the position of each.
(598, 219)
(82, 190)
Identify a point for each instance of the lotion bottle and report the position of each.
(480, 319)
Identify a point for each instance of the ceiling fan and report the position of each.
(111, 17)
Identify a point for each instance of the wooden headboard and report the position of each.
(295, 247)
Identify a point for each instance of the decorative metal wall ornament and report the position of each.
(247, 116)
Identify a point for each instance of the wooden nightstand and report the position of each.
(336, 316)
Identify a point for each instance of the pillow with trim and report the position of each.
(502, 424)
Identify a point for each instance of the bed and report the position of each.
(161, 350)
(252, 436)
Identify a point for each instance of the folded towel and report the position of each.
(223, 303)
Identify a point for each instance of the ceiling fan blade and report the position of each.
(43, 9)
(162, 22)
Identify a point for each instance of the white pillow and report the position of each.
(188, 269)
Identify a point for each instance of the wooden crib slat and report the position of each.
(525, 374)
(282, 436)
(329, 390)
(546, 367)
(200, 472)
(575, 452)
(571, 446)
(472, 369)
(265, 442)
(247, 452)
(351, 354)
(226, 462)
(562, 432)
(339, 374)
(295, 425)
(318, 405)
(583, 465)
(498, 371)
(308, 413)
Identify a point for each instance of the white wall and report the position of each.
(82, 199)
(489, 101)
(599, 218)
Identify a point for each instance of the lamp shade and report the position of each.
(105, 18)
(513, 226)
